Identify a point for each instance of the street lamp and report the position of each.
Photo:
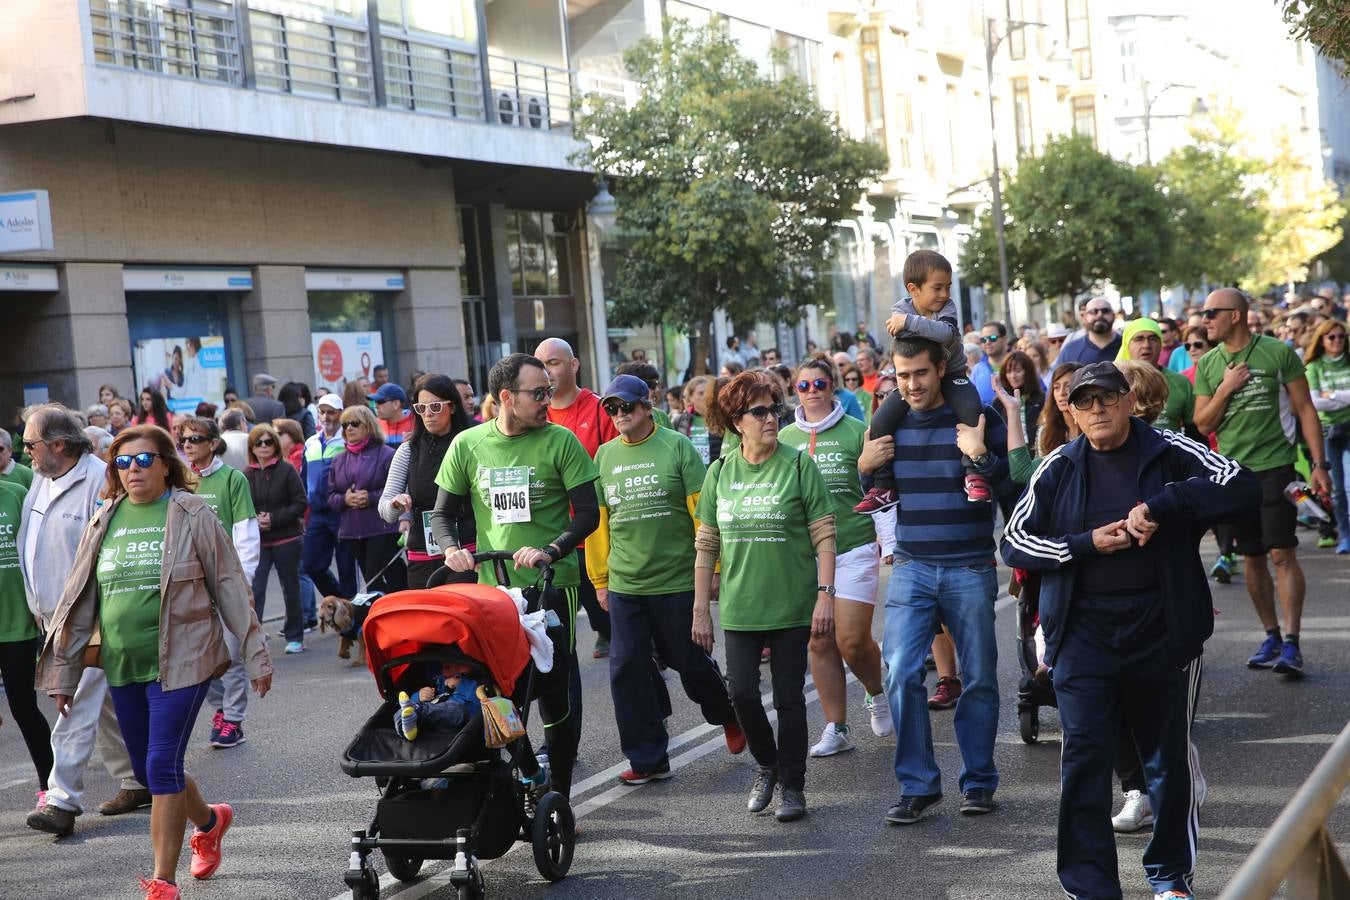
(991, 42)
(1148, 116)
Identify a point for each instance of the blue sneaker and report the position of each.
(1270, 650)
(1343, 546)
(1291, 661)
(295, 647)
(1222, 572)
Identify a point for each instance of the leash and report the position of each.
(371, 580)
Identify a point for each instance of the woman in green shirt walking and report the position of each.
(1328, 369)
(766, 513)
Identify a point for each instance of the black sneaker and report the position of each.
(910, 809)
(761, 792)
(791, 805)
(977, 802)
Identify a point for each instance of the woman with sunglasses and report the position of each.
(226, 491)
(834, 441)
(1196, 345)
(410, 490)
(1329, 380)
(160, 648)
(766, 512)
(279, 498)
(356, 484)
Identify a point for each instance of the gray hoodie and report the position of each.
(60, 527)
(943, 330)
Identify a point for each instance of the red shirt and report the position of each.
(586, 420)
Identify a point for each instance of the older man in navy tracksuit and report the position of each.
(1113, 520)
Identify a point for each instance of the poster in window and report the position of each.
(186, 370)
(343, 356)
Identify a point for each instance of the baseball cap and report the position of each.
(389, 391)
(628, 388)
(332, 401)
(1102, 375)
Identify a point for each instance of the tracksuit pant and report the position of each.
(666, 620)
(1114, 669)
(92, 720)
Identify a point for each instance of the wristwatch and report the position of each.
(1324, 465)
(981, 461)
(825, 589)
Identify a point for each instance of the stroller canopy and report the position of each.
(482, 620)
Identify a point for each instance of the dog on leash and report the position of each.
(346, 618)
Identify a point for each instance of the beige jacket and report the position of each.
(201, 586)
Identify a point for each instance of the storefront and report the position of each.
(542, 289)
(186, 332)
(351, 322)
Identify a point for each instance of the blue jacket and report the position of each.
(1188, 488)
(850, 403)
(318, 459)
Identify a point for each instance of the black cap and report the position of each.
(1102, 375)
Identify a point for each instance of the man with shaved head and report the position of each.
(1243, 388)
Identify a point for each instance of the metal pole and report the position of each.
(990, 45)
(1148, 109)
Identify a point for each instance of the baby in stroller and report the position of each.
(446, 706)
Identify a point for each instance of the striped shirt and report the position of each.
(936, 524)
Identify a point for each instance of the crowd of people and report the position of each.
(777, 492)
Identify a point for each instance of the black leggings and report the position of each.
(18, 668)
(959, 393)
(371, 554)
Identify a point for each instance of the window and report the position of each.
(1017, 34)
(694, 15)
(1129, 63)
(1022, 115)
(1076, 21)
(1085, 117)
(754, 41)
(456, 19)
(873, 100)
(321, 54)
(430, 56)
(954, 146)
(800, 60)
(187, 38)
(536, 249)
(904, 150)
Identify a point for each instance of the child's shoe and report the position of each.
(977, 488)
(405, 720)
(877, 500)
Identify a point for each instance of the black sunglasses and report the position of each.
(192, 439)
(29, 445)
(1107, 398)
(538, 395)
(764, 413)
(1208, 314)
(264, 442)
(346, 425)
(882, 395)
(1197, 345)
(142, 460)
(615, 407)
(819, 384)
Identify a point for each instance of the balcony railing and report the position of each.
(190, 38)
(315, 58)
(529, 95)
(426, 77)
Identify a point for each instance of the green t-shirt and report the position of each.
(768, 561)
(20, 475)
(836, 455)
(645, 487)
(129, 564)
(731, 442)
(16, 620)
(698, 435)
(1180, 407)
(226, 491)
(518, 488)
(661, 416)
(1252, 431)
(1327, 374)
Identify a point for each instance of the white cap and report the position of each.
(333, 401)
(1056, 330)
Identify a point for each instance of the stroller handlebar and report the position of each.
(499, 558)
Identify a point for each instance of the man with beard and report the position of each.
(1100, 343)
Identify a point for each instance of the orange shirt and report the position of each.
(587, 420)
(869, 382)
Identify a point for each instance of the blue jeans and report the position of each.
(920, 598)
(320, 546)
(1337, 448)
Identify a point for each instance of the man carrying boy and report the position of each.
(928, 313)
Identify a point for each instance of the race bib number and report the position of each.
(433, 548)
(509, 495)
(699, 438)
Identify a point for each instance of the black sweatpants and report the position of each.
(371, 554)
(787, 669)
(18, 668)
(959, 393)
(286, 558)
(1129, 769)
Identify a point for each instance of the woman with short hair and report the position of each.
(356, 482)
(279, 499)
(159, 648)
(766, 513)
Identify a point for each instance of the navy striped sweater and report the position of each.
(936, 524)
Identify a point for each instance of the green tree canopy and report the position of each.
(1074, 216)
(730, 185)
(1323, 23)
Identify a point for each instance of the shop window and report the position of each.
(352, 332)
(186, 344)
(537, 253)
(874, 103)
(1022, 115)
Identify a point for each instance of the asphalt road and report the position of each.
(1259, 735)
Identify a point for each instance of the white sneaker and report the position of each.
(1201, 789)
(1172, 895)
(833, 741)
(1134, 815)
(879, 708)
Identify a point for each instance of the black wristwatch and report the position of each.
(554, 554)
(1324, 465)
(825, 589)
(980, 462)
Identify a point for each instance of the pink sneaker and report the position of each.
(159, 889)
(217, 722)
(206, 844)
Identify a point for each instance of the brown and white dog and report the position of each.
(342, 616)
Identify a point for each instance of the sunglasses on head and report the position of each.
(430, 409)
(193, 439)
(615, 407)
(142, 460)
(764, 413)
(819, 384)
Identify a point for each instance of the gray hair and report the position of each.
(233, 420)
(56, 423)
(97, 409)
(100, 438)
(6, 440)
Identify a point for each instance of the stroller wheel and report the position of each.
(404, 868)
(369, 887)
(554, 836)
(1030, 721)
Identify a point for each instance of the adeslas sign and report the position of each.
(25, 222)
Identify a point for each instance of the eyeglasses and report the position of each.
(1107, 398)
(991, 338)
(1055, 340)
(819, 384)
(538, 395)
(193, 439)
(1208, 314)
(29, 445)
(1334, 336)
(1197, 345)
(347, 425)
(615, 407)
(764, 413)
(430, 409)
(264, 442)
(142, 460)
(882, 395)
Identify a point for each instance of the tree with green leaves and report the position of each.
(730, 185)
(1323, 23)
(1303, 216)
(1074, 216)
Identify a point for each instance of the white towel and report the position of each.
(536, 632)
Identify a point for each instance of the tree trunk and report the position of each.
(702, 346)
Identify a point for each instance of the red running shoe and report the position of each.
(948, 690)
(877, 500)
(631, 776)
(735, 737)
(977, 488)
(159, 889)
(206, 844)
